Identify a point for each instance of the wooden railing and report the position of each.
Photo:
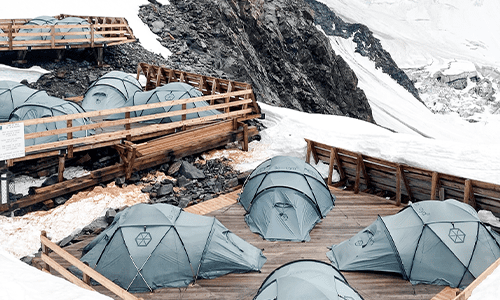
(88, 272)
(158, 76)
(101, 32)
(238, 104)
(412, 183)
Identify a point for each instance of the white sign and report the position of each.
(11, 141)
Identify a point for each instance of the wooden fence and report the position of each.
(100, 32)
(158, 76)
(363, 172)
(87, 271)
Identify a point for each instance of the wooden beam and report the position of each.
(469, 197)
(113, 287)
(434, 185)
(338, 162)
(467, 292)
(69, 124)
(60, 173)
(309, 150)
(358, 174)
(405, 181)
(399, 176)
(331, 167)
(65, 273)
(245, 137)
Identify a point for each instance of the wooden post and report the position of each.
(405, 181)
(127, 126)
(358, 174)
(92, 36)
(10, 37)
(245, 137)
(184, 115)
(308, 152)
(85, 276)
(69, 136)
(338, 162)
(62, 160)
(434, 186)
(45, 250)
(398, 185)
(330, 167)
(469, 197)
(53, 36)
(227, 99)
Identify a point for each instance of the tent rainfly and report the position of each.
(40, 21)
(432, 242)
(13, 94)
(306, 279)
(43, 106)
(110, 91)
(169, 92)
(153, 246)
(80, 32)
(284, 198)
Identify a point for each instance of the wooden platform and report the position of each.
(352, 213)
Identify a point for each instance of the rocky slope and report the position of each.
(273, 45)
(366, 44)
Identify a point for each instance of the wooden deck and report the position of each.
(352, 213)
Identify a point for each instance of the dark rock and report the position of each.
(165, 190)
(134, 178)
(110, 215)
(242, 177)
(120, 181)
(184, 201)
(60, 200)
(174, 167)
(51, 180)
(233, 182)
(65, 241)
(189, 171)
(182, 181)
(147, 189)
(98, 224)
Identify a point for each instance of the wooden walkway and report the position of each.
(352, 213)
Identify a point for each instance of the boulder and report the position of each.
(191, 172)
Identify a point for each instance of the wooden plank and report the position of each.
(330, 167)
(65, 273)
(469, 193)
(467, 292)
(137, 131)
(309, 151)
(138, 107)
(435, 185)
(87, 270)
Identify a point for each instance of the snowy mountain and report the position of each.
(449, 49)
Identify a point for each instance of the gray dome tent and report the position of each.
(169, 92)
(160, 245)
(110, 91)
(43, 106)
(431, 242)
(13, 94)
(284, 198)
(306, 279)
(42, 20)
(84, 32)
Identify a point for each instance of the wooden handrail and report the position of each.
(48, 245)
(416, 183)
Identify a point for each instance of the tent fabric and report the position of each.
(13, 94)
(41, 21)
(433, 242)
(169, 92)
(306, 279)
(84, 31)
(42, 106)
(110, 91)
(284, 198)
(153, 246)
